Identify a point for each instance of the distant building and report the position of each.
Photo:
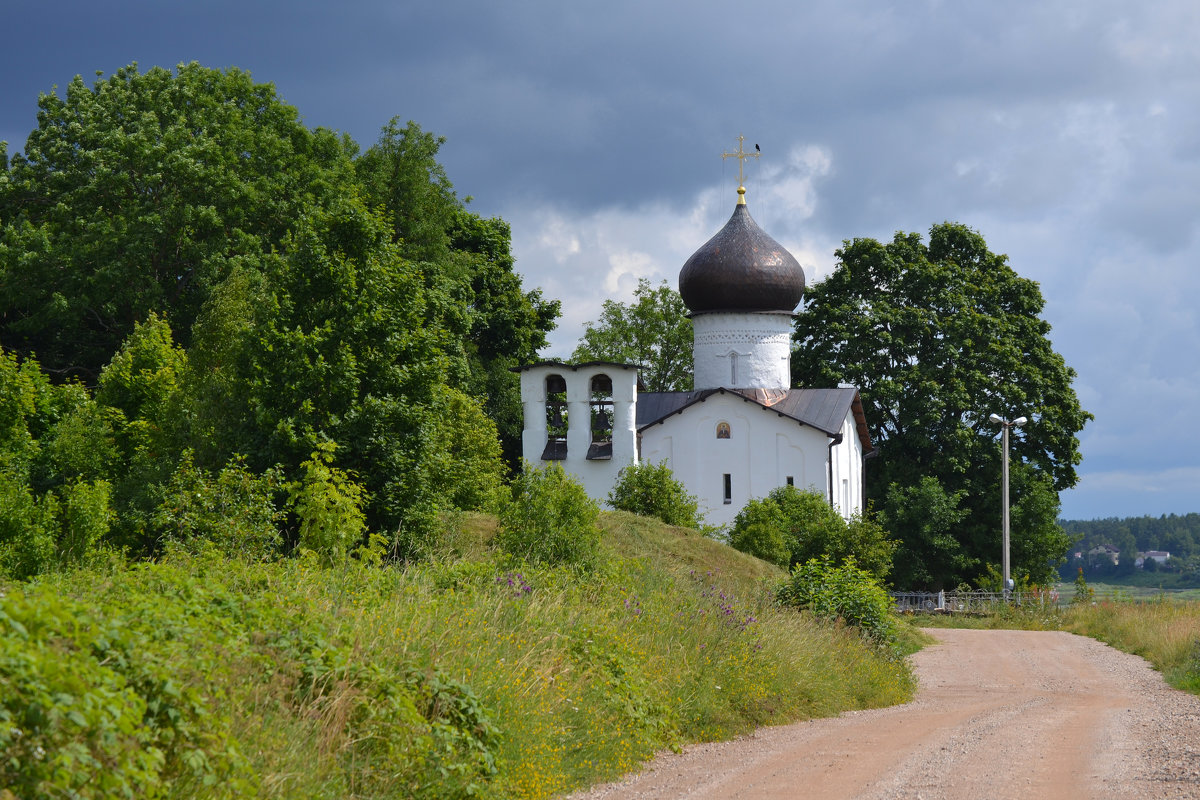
(1105, 552)
(1160, 556)
(743, 430)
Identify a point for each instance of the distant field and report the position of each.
(1122, 591)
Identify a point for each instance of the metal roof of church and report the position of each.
(823, 409)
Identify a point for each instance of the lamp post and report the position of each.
(1016, 423)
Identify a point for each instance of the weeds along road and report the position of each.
(999, 715)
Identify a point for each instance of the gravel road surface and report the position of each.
(999, 715)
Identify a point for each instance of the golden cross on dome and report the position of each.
(741, 155)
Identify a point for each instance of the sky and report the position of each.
(1066, 132)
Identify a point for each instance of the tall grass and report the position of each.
(1164, 632)
(470, 676)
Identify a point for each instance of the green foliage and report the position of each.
(54, 449)
(760, 530)
(328, 504)
(27, 529)
(341, 339)
(790, 526)
(233, 511)
(549, 519)
(87, 710)
(236, 285)
(467, 469)
(654, 332)
(652, 491)
(930, 554)
(470, 259)
(198, 676)
(937, 336)
(136, 194)
(843, 592)
(1083, 592)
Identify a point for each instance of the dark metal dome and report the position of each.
(741, 269)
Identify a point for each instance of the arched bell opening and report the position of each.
(556, 419)
(601, 402)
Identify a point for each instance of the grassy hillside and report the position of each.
(204, 677)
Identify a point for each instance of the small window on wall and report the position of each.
(556, 419)
(602, 419)
(728, 488)
(791, 481)
(722, 430)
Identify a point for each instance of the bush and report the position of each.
(789, 527)
(844, 592)
(87, 710)
(759, 529)
(652, 491)
(233, 511)
(329, 504)
(550, 519)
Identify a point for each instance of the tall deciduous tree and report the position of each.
(939, 336)
(653, 331)
(470, 258)
(134, 195)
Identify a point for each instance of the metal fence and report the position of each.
(969, 601)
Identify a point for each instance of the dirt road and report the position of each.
(1000, 714)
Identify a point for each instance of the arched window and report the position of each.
(556, 419)
(602, 418)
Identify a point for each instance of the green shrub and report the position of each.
(760, 530)
(88, 709)
(843, 592)
(329, 505)
(549, 519)
(808, 527)
(652, 491)
(233, 511)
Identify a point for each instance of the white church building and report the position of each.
(743, 430)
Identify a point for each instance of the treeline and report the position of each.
(220, 325)
(1176, 534)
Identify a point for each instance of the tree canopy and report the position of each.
(137, 194)
(937, 337)
(204, 304)
(653, 331)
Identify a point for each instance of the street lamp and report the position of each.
(1016, 423)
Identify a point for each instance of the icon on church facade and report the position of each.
(722, 430)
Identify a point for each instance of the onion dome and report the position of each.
(741, 269)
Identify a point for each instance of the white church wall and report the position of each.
(847, 466)
(742, 350)
(596, 475)
(762, 450)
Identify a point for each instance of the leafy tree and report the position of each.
(328, 502)
(336, 339)
(653, 331)
(54, 499)
(937, 336)
(233, 511)
(137, 194)
(470, 259)
(652, 491)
